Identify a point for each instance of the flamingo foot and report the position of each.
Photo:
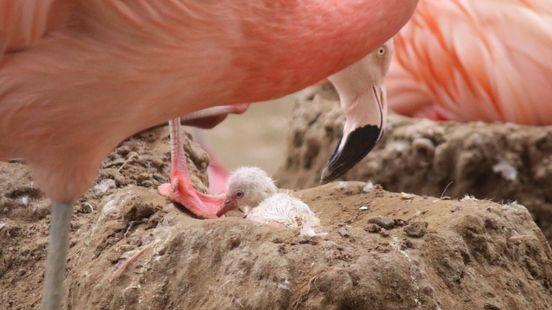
(181, 190)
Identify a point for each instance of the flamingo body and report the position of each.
(131, 65)
(464, 60)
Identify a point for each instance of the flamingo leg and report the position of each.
(180, 189)
(57, 255)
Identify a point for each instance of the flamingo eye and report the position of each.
(239, 194)
(381, 51)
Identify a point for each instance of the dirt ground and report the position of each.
(24, 212)
(501, 162)
(383, 250)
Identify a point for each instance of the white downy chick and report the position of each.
(254, 192)
(247, 187)
(283, 209)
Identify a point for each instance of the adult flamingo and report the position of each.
(79, 76)
(464, 60)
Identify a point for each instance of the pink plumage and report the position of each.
(129, 65)
(486, 60)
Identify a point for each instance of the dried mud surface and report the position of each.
(501, 162)
(143, 161)
(383, 250)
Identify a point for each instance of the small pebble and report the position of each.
(344, 232)
(146, 183)
(406, 244)
(159, 178)
(115, 162)
(363, 208)
(416, 229)
(302, 239)
(489, 306)
(372, 228)
(307, 240)
(399, 223)
(86, 207)
(368, 187)
(123, 150)
(407, 196)
(427, 290)
(383, 221)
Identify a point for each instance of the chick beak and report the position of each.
(230, 203)
(364, 125)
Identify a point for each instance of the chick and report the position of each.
(251, 190)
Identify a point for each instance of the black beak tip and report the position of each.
(357, 145)
(327, 176)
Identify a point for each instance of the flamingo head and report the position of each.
(363, 98)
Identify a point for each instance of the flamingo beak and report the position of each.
(230, 203)
(364, 127)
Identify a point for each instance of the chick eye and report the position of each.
(239, 194)
(381, 51)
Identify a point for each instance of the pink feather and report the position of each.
(483, 60)
(77, 77)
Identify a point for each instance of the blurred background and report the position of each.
(255, 138)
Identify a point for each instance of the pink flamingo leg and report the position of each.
(181, 189)
(217, 173)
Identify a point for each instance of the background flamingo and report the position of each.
(77, 77)
(462, 60)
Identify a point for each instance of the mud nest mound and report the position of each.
(143, 160)
(401, 253)
(501, 162)
(382, 251)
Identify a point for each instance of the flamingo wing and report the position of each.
(24, 23)
(475, 60)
